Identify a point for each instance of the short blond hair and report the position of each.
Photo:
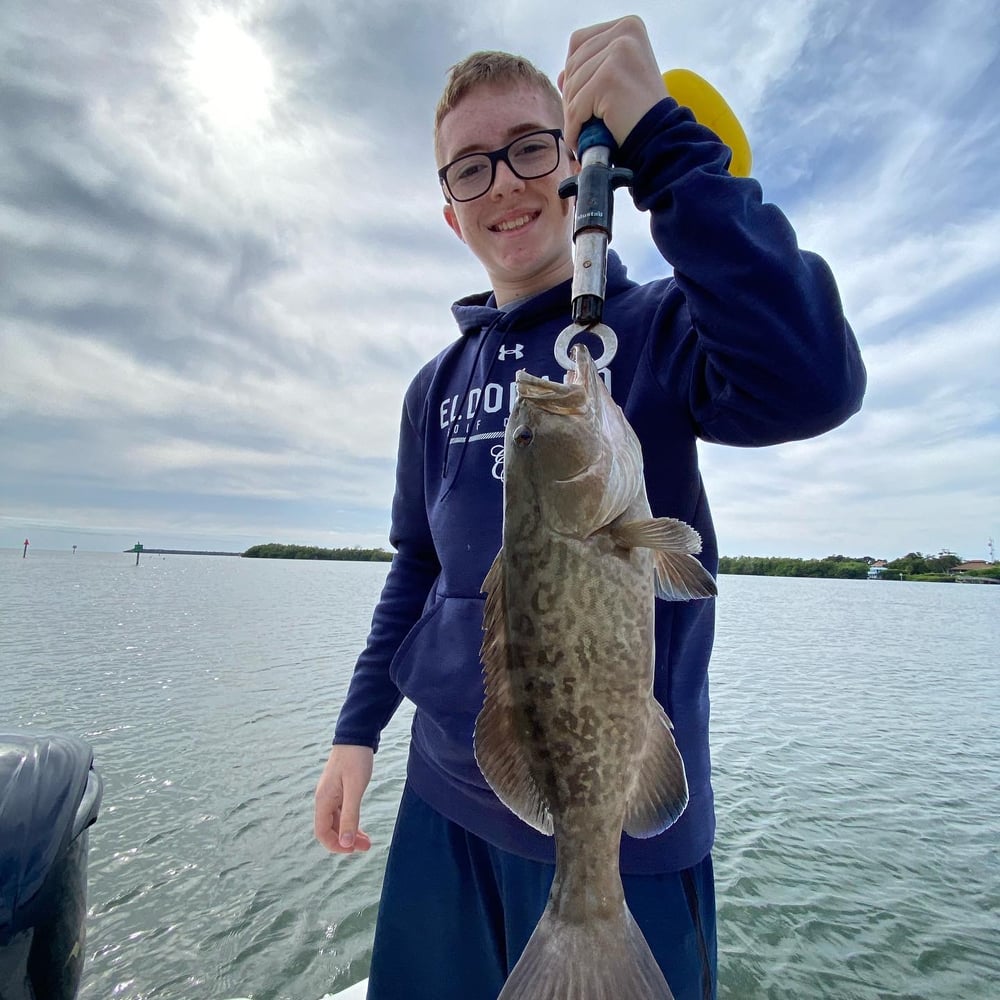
(492, 69)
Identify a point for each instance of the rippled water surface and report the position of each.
(855, 742)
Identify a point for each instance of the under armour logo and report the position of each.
(517, 350)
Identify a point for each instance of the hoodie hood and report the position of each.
(478, 315)
(475, 312)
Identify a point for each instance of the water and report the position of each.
(855, 743)
(857, 753)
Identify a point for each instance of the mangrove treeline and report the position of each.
(272, 550)
(839, 567)
(912, 566)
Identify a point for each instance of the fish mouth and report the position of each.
(585, 372)
(552, 397)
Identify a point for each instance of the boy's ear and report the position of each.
(452, 219)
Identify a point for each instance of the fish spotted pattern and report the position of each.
(570, 736)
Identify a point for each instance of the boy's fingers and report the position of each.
(350, 816)
(326, 832)
(611, 71)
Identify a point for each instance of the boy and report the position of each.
(746, 344)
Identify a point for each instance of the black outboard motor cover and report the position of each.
(49, 795)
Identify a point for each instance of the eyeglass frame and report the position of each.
(502, 155)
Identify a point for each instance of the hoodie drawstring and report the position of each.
(488, 334)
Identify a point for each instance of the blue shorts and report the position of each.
(456, 912)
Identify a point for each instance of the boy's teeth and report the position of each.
(504, 227)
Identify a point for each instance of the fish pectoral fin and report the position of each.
(679, 576)
(500, 753)
(665, 534)
(659, 791)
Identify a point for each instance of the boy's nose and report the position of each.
(505, 180)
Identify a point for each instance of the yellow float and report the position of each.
(710, 108)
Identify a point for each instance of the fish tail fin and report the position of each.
(606, 959)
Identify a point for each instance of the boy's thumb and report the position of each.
(349, 819)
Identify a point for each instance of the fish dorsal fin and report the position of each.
(499, 749)
(679, 576)
(659, 792)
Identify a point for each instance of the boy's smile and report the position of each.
(520, 230)
(515, 224)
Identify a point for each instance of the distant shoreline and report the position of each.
(180, 552)
(273, 550)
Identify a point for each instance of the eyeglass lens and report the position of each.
(529, 157)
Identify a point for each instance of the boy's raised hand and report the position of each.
(611, 73)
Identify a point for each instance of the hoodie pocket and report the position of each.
(438, 668)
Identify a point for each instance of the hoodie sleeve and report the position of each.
(373, 697)
(765, 353)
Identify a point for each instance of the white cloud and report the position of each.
(231, 306)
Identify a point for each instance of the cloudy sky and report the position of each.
(222, 258)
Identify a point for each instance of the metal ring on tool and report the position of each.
(603, 332)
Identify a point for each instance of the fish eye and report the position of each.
(523, 436)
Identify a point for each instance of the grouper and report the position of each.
(570, 736)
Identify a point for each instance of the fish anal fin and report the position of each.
(659, 791)
(499, 752)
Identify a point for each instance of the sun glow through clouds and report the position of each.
(230, 72)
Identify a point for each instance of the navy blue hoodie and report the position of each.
(745, 345)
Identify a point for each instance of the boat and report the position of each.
(50, 795)
(357, 992)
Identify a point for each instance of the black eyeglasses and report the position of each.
(529, 157)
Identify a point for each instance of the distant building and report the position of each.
(876, 569)
(971, 565)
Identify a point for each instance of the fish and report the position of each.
(570, 736)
